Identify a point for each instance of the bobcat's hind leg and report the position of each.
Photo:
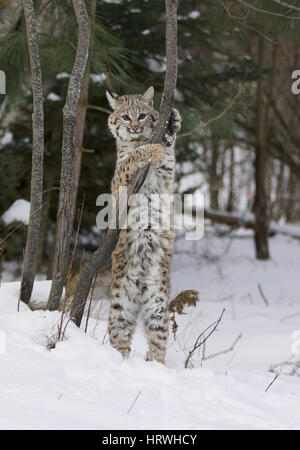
(122, 319)
(156, 324)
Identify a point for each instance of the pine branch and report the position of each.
(214, 119)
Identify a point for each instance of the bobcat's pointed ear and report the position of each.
(148, 96)
(112, 99)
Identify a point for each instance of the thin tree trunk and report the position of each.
(80, 124)
(36, 194)
(81, 117)
(65, 207)
(230, 202)
(49, 180)
(277, 204)
(56, 135)
(292, 195)
(214, 182)
(102, 256)
(261, 203)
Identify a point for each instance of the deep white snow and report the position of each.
(84, 384)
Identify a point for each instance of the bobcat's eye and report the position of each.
(126, 117)
(142, 116)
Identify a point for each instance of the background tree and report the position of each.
(218, 51)
(36, 193)
(66, 192)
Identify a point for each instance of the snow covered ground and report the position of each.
(84, 384)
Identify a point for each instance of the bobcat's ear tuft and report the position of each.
(148, 96)
(112, 99)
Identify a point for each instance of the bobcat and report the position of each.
(141, 259)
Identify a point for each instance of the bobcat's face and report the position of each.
(134, 116)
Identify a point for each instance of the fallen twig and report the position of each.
(273, 381)
(230, 349)
(263, 295)
(290, 316)
(134, 402)
(200, 342)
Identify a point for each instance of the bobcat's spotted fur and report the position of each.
(141, 259)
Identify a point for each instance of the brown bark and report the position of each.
(230, 202)
(292, 195)
(214, 181)
(45, 219)
(80, 119)
(36, 194)
(261, 202)
(277, 205)
(65, 208)
(102, 256)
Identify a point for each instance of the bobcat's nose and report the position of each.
(135, 125)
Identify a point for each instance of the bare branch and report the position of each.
(228, 350)
(99, 108)
(199, 341)
(265, 11)
(273, 381)
(134, 402)
(263, 295)
(290, 316)
(281, 3)
(243, 21)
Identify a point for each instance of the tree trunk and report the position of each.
(230, 202)
(36, 194)
(291, 197)
(79, 133)
(260, 202)
(49, 180)
(102, 256)
(66, 196)
(277, 205)
(80, 120)
(213, 175)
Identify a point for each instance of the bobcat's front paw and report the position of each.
(173, 128)
(157, 155)
(175, 122)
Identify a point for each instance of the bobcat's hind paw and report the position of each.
(150, 356)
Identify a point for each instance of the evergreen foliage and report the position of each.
(128, 52)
